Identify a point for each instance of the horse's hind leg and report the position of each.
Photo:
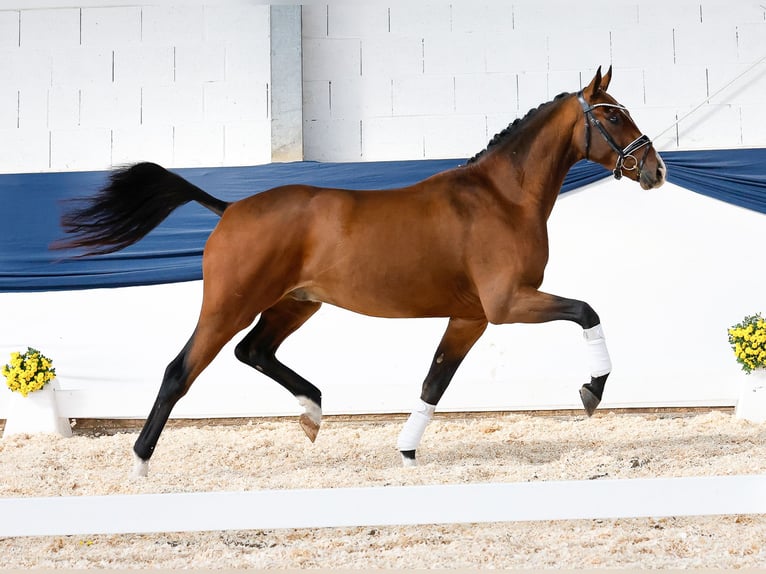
(460, 336)
(258, 349)
(213, 331)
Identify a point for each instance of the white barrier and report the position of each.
(380, 506)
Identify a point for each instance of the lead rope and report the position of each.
(707, 99)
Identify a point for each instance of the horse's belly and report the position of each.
(404, 300)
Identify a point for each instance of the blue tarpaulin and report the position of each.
(31, 205)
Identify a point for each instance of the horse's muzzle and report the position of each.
(652, 177)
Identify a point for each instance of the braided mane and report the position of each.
(512, 128)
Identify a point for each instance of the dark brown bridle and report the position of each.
(623, 154)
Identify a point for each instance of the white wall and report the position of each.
(438, 79)
(87, 88)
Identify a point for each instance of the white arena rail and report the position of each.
(380, 506)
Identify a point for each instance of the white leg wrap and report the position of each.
(313, 410)
(140, 466)
(416, 424)
(598, 355)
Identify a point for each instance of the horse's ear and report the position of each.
(606, 79)
(595, 84)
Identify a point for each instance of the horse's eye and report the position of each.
(614, 119)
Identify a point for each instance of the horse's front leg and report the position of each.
(460, 336)
(533, 306)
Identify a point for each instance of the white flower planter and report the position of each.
(36, 413)
(751, 404)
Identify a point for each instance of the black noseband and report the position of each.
(622, 153)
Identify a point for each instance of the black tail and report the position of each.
(136, 200)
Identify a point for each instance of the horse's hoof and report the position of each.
(311, 418)
(408, 458)
(140, 467)
(589, 400)
(309, 426)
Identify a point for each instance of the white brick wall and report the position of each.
(86, 88)
(407, 71)
(380, 81)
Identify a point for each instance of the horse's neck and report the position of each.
(530, 168)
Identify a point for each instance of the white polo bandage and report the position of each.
(598, 355)
(416, 424)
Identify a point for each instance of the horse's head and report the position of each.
(611, 138)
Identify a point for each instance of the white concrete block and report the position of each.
(591, 50)
(486, 94)
(482, 18)
(316, 100)
(33, 108)
(81, 66)
(200, 63)
(533, 90)
(314, 20)
(678, 12)
(111, 26)
(627, 86)
(454, 136)
(392, 56)
(171, 105)
(144, 65)
(63, 107)
(81, 149)
(394, 138)
(657, 123)
(198, 145)
(247, 142)
(752, 41)
(747, 89)
(713, 126)
(229, 22)
(248, 62)
(582, 20)
(9, 108)
(173, 25)
(226, 102)
(361, 20)
(55, 28)
(361, 98)
(643, 45)
(454, 54)
(566, 81)
(19, 68)
(110, 106)
(23, 151)
(724, 11)
(675, 85)
(424, 95)
(142, 143)
(516, 51)
(420, 19)
(708, 44)
(332, 140)
(753, 120)
(331, 59)
(10, 25)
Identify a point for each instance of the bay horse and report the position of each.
(469, 244)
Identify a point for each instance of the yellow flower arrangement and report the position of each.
(28, 372)
(748, 341)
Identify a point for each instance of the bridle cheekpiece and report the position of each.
(623, 154)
